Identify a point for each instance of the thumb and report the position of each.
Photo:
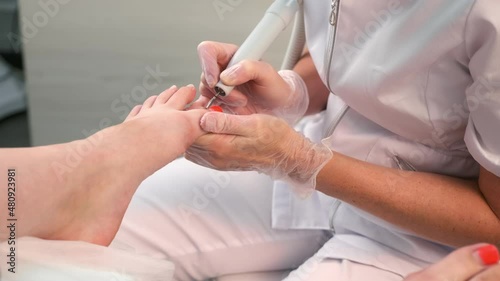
(245, 71)
(228, 124)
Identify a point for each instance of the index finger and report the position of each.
(214, 57)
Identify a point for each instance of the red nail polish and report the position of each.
(489, 255)
(216, 108)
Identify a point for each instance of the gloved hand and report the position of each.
(260, 143)
(259, 88)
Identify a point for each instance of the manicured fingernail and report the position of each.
(211, 81)
(216, 108)
(489, 255)
(231, 73)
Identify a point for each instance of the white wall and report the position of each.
(89, 53)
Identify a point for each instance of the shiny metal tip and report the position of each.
(218, 93)
(211, 102)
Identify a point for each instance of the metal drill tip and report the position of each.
(211, 102)
(218, 93)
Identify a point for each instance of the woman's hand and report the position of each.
(260, 143)
(259, 88)
(478, 262)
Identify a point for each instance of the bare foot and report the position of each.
(88, 202)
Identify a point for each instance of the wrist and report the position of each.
(304, 163)
(297, 101)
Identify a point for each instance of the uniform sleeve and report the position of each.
(482, 39)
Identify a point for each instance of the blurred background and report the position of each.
(14, 130)
(69, 68)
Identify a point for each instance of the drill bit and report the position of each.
(218, 92)
(211, 102)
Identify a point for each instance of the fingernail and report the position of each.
(231, 73)
(191, 86)
(173, 87)
(489, 255)
(209, 77)
(210, 80)
(209, 122)
(216, 108)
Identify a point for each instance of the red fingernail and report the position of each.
(216, 108)
(489, 255)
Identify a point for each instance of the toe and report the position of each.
(182, 98)
(135, 111)
(166, 95)
(149, 102)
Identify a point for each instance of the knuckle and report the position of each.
(247, 65)
(253, 123)
(205, 45)
(257, 69)
(226, 125)
(151, 98)
(203, 87)
(266, 66)
(233, 46)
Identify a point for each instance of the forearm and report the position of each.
(445, 209)
(318, 92)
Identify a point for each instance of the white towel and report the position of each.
(42, 260)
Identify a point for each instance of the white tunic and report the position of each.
(416, 86)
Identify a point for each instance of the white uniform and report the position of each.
(416, 85)
(422, 83)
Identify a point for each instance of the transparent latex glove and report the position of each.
(259, 88)
(260, 143)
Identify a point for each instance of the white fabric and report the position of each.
(212, 224)
(260, 276)
(409, 72)
(419, 78)
(417, 69)
(43, 260)
(483, 95)
(321, 269)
